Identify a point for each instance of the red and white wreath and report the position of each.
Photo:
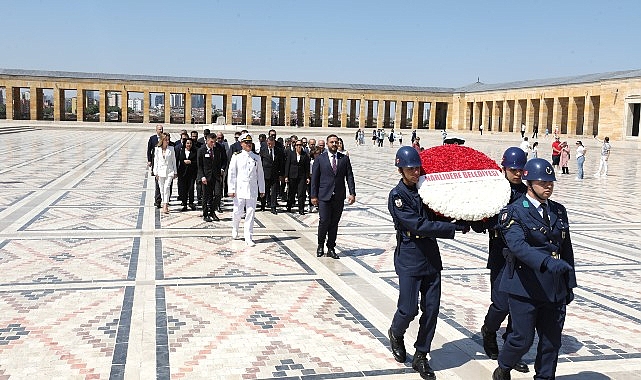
(462, 183)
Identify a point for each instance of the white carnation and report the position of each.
(465, 196)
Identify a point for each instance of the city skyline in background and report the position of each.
(416, 43)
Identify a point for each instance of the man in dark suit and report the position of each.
(151, 148)
(297, 176)
(329, 173)
(211, 161)
(272, 159)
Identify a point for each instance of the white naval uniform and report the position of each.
(246, 180)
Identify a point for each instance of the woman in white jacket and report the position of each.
(165, 169)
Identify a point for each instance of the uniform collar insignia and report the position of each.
(398, 202)
(526, 204)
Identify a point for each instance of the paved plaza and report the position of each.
(95, 283)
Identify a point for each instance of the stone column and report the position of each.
(572, 114)
(588, 115)
(102, 104)
(362, 113)
(9, 91)
(507, 120)
(543, 116)
(415, 114)
(146, 106)
(266, 107)
(286, 110)
(325, 113)
(495, 116)
(33, 103)
(227, 99)
(432, 115)
(208, 104)
(80, 104)
(187, 102)
(248, 109)
(556, 115)
(399, 113)
(344, 113)
(306, 109)
(58, 106)
(380, 118)
(124, 105)
(167, 107)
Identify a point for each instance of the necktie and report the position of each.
(546, 217)
(271, 153)
(334, 163)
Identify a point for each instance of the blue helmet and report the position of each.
(407, 157)
(538, 169)
(514, 158)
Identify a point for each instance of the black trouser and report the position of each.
(297, 192)
(186, 188)
(329, 213)
(157, 197)
(212, 193)
(271, 193)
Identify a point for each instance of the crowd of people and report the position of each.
(266, 174)
(561, 153)
(530, 254)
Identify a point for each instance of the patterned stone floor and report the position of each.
(97, 284)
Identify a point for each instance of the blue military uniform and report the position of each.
(417, 262)
(498, 310)
(537, 292)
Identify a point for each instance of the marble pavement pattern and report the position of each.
(97, 284)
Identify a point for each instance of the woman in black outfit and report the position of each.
(187, 169)
(297, 176)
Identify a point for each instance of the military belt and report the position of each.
(409, 235)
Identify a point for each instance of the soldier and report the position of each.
(539, 273)
(246, 182)
(513, 162)
(417, 262)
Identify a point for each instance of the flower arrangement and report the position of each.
(462, 183)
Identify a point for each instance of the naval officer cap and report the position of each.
(246, 137)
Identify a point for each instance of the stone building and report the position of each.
(603, 104)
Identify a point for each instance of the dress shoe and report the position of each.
(489, 343)
(215, 218)
(219, 209)
(192, 206)
(501, 374)
(301, 212)
(320, 251)
(208, 219)
(398, 347)
(274, 211)
(521, 367)
(184, 208)
(250, 243)
(331, 253)
(420, 365)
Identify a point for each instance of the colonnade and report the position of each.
(577, 115)
(319, 107)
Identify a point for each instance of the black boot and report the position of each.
(420, 364)
(398, 347)
(489, 343)
(501, 374)
(320, 250)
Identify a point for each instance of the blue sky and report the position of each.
(416, 43)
